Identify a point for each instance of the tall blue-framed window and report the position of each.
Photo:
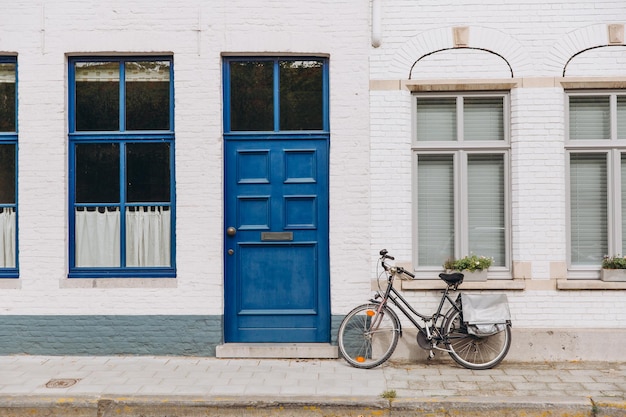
(275, 94)
(8, 167)
(122, 188)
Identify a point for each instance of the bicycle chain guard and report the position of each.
(422, 340)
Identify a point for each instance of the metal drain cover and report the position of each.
(61, 383)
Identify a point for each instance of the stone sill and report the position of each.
(490, 284)
(119, 283)
(10, 283)
(588, 284)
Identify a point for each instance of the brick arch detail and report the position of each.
(482, 38)
(574, 43)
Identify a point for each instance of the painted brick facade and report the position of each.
(533, 42)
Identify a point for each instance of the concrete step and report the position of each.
(277, 350)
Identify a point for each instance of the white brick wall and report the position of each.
(196, 33)
(370, 166)
(537, 39)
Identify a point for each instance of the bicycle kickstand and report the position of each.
(431, 355)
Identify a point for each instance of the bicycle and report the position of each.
(368, 335)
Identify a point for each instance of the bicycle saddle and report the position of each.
(454, 278)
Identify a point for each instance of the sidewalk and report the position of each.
(179, 386)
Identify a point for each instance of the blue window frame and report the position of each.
(275, 95)
(8, 167)
(121, 170)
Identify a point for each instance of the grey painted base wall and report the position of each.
(199, 335)
(110, 335)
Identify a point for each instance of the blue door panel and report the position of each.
(275, 273)
(276, 263)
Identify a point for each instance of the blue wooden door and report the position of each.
(276, 239)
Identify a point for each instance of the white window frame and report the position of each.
(613, 149)
(460, 149)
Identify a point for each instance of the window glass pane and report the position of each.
(589, 117)
(97, 233)
(148, 172)
(588, 206)
(623, 174)
(435, 209)
(7, 214)
(486, 220)
(7, 174)
(97, 173)
(301, 103)
(97, 96)
(7, 97)
(7, 237)
(147, 95)
(436, 119)
(483, 118)
(621, 117)
(252, 96)
(148, 236)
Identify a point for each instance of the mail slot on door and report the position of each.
(276, 236)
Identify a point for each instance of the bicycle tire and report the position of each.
(364, 347)
(473, 352)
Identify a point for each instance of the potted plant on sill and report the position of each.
(473, 267)
(613, 268)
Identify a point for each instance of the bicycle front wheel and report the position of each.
(475, 352)
(366, 337)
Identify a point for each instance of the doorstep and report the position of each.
(277, 350)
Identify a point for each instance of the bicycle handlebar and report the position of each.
(384, 255)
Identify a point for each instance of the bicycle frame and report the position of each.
(391, 294)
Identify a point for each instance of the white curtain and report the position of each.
(148, 236)
(7, 238)
(98, 237)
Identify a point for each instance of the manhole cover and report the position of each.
(61, 383)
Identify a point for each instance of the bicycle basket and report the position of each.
(485, 314)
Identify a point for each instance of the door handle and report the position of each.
(231, 231)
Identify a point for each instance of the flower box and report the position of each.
(473, 267)
(613, 275)
(478, 275)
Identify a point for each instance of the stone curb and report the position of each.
(190, 406)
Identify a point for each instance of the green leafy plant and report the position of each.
(389, 394)
(614, 262)
(470, 263)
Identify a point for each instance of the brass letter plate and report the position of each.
(276, 236)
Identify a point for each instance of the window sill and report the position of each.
(492, 284)
(588, 284)
(10, 284)
(118, 283)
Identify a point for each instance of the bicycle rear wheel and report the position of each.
(475, 352)
(367, 338)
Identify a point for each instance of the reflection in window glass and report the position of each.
(97, 96)
(252, 96)
(7, 174)
(301, 95)
(97, 173)
(148, 172)
(7, 97)
(147, 95)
